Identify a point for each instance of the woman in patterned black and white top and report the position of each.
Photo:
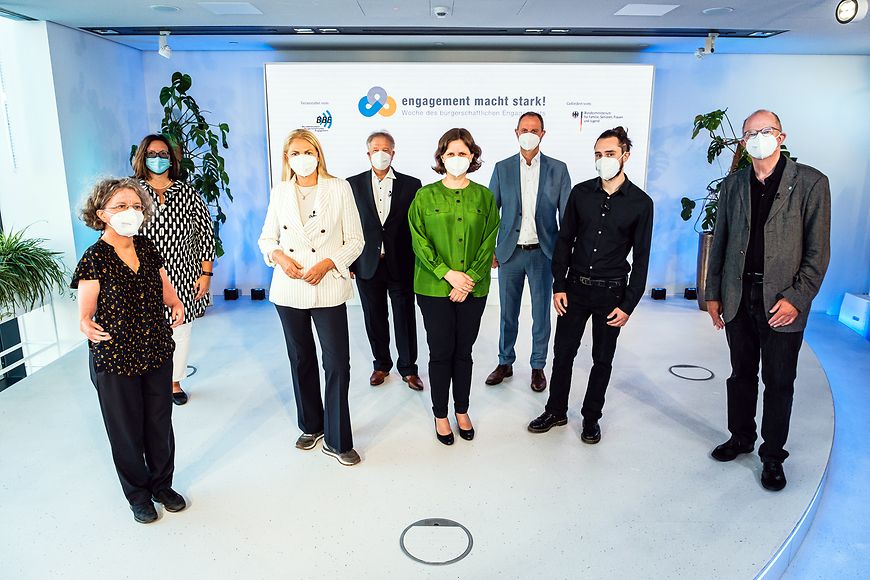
(182, 231)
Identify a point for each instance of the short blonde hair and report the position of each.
(287, 172)
(103, 191)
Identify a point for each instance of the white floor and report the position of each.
(648, 501)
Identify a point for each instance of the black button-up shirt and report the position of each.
(597, 233)
(761, 199)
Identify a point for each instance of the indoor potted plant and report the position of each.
(722, 138)
(29, 273)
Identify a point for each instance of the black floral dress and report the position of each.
(129, 307)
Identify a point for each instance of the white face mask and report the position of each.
(380, 160)
(761, 146)
(528, 141)
(608, 167)
(126, 223)
(303, 165)
(456, 166)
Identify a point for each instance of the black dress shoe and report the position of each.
(546, 422)
(180, 398)
(144, 513)
(539, 380)
(445, 439)
(591, 433)
(729, 450)
(467, 434)
(171, 500)
(772, 476)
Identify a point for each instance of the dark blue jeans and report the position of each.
(751, 341)
(584, 302)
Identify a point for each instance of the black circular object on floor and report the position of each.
(671, 370)
(436, 522)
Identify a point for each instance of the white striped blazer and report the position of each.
(333, 231)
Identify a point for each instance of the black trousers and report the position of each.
(137, 412)
(584, 302)
(373, 297)
(451, 329)
(751, 341)
(313, 416)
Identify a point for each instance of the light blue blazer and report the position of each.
(554, 186)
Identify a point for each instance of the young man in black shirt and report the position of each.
(606, 218)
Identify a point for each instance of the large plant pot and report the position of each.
(705, 242)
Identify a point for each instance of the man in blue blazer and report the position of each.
(530, 189)
(386, 265)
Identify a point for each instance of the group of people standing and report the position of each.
(435, 246)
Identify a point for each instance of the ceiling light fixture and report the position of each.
(164, 49)
(717, 11)
(851, 10)
(164, 8)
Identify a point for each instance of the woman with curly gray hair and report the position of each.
(122, 288)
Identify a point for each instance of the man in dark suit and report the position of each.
(770, 251)
(386, 265)
(530, 189)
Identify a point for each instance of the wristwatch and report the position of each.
(204, 273)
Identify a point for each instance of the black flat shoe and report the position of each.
(144, 513)
(445, 439)
(772, 476)
(591, 432)
(467, 434)
(729, 450)
(180, 398)
(171, 499)
(546, 422)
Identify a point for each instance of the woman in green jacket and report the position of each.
(454, 223)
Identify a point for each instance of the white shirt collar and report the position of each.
(389, 175)
(535, 160)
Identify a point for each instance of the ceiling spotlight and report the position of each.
(851, 10)
(709, 46)
(441, 11)
(165, 51)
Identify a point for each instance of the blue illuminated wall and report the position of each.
(821, 100)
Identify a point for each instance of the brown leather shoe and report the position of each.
(414, 382)
(500, 373)
(377, 378)
(539, 380)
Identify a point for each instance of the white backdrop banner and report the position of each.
(342, 103)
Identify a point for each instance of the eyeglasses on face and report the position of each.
(124, 207)
(747, 135)
(156, 154)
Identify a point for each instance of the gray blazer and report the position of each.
(797, 244)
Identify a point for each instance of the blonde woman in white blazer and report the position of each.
(311, 237)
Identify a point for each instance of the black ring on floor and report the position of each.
(671, 370)
(436, 522)
(191, 373)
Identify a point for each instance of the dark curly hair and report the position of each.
(101, 194)
(620, 134)
(457, 134)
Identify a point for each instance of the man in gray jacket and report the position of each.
(771, 248)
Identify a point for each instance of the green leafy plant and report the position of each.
(723, 138)
(29, 272)
(199, 143)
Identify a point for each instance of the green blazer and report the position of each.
(452, 229)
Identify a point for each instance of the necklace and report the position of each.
(304, 194)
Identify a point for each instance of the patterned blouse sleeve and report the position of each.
(87, 268)
(203, 227)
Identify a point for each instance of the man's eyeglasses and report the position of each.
(156, 154)
(124, 207)
(747, 135)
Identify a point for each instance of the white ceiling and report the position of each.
(810, 23)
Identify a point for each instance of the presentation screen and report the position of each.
(342, 103)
